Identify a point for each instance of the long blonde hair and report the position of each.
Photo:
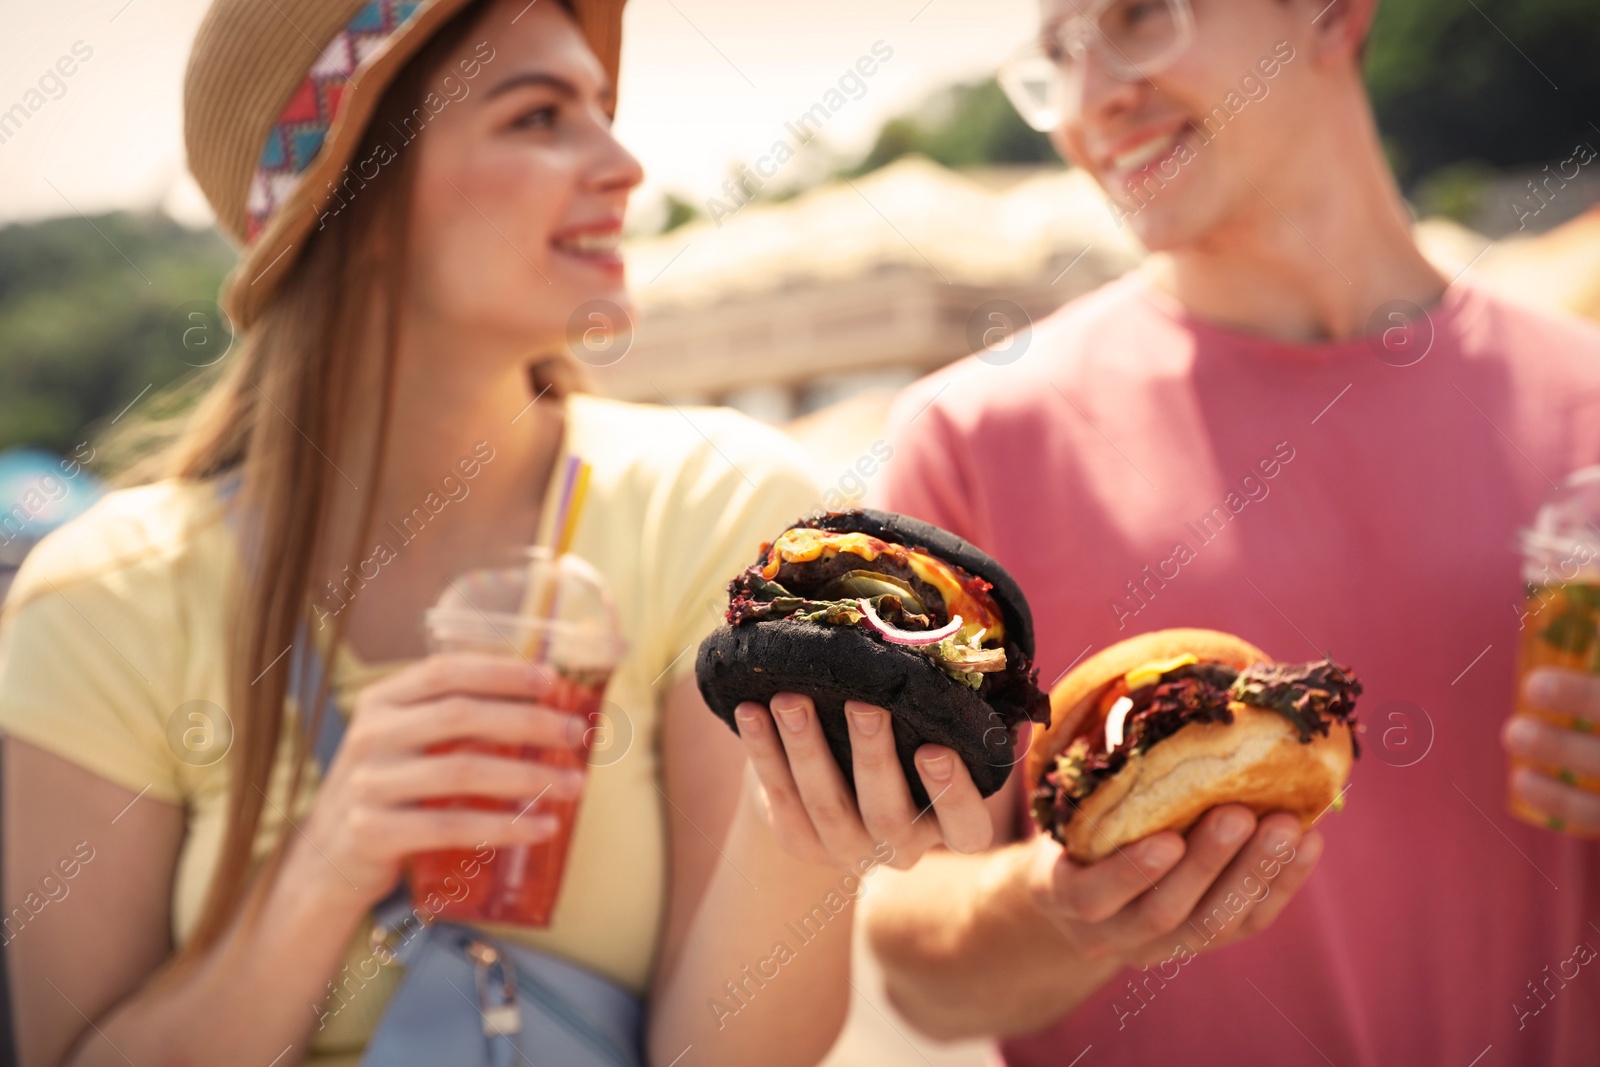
(275, 421)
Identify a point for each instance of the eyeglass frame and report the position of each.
(1089, 37)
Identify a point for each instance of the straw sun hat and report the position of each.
(275, 101)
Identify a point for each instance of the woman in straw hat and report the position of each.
(426, 195)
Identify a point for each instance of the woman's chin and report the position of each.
(606, 269)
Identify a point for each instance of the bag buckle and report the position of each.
(384, 939)
(501, 1015)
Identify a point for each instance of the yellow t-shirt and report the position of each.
(117, 620)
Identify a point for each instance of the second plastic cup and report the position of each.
(1561, 616)
(554, 612)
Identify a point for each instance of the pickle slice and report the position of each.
(870, 584)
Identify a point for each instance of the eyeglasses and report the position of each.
(1133, 38)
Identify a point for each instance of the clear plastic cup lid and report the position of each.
(1563, 543)
(546, 608)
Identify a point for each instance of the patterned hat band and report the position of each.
(277, 97)
(297, 136)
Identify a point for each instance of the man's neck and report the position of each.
(1311, 256)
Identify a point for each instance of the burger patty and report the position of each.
(1311, 696)
(808, 577)
(1013, 693)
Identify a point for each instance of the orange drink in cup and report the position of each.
(1561, 615)
(554, 611)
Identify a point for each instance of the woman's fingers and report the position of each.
(1572, 750)
(408, 781)
(964, 821)
(411, 830)
(818, 779)
(810, 801)
(452, 718)
(444, 674)
(1568, 807)
(786, 811)
(882, 795)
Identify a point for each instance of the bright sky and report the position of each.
(705, 84)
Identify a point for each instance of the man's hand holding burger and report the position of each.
(1141, 862)
(1151, 901)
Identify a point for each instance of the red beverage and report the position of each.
(550, 611)
(514, 885)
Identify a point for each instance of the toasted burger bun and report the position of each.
(1258, 760)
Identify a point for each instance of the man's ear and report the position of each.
(1339, 27)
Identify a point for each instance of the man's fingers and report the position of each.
(963, 818)
(1536, 740)
(1281, 890)
(764, 749)
(1572, 808)
(817, 777)
(1229, 902)
(1212, 845)
(1095, 893)
(1567, 692)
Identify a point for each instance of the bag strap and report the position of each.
(305, 660)
(306, 671)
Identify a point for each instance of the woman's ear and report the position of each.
(1339, 28)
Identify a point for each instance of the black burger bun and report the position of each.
(756, 660)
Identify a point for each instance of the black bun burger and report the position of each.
(883, 608)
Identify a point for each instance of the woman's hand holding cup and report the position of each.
(367, 816)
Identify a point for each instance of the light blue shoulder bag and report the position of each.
(472, 1000)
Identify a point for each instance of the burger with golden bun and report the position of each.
(1152, 732)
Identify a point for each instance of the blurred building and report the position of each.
(859, 285)
(1557, 270)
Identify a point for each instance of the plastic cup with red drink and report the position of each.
(553, 611)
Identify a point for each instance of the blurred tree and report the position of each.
(84, 308)
(1458, 88)
(1501, 82)
(679, 212)
(961, 126)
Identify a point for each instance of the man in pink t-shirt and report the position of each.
(1290, 426)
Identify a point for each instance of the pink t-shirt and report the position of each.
(1137, 468)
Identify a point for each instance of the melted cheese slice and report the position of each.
(803, 544)
(1151, 673)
